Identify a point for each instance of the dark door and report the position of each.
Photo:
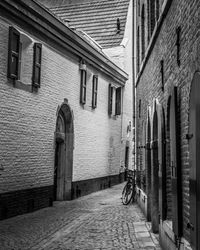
(60, 156)
(56, 169)
(175, 166)
(194, 147)
(155, 178)
(126, 157)
(148, 167)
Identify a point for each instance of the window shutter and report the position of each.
(110, 99)
(13, 53)
(37, 58)
(118, 101)
(83, 87)
(175, 166)
(94, 91)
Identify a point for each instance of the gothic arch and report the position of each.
(64, 140)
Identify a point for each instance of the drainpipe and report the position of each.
(133, 79)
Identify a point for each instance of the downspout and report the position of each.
(133, 79)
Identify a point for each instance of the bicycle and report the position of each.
(129, 190)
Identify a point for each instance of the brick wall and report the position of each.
(28, 121)
(184, 14)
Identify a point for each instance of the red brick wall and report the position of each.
(184, 14)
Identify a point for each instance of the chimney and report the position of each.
(118, 26)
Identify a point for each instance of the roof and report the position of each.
(98, 18)
(34, 19)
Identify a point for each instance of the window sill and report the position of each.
(18, 84)
(23, 86)
(114, 117)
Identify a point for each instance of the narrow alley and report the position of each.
(95, 221)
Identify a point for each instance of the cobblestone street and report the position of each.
(96, 221)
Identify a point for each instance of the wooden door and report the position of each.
(60, 157)
(148, 166)
(194, 147)
(155, 178)
(126, 157)
(175, 166)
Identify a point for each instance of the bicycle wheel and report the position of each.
(127, 193)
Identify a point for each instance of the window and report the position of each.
(21, 55)
(148, 20)
(138, 7)
(13, 53)
(118, 102)
(138, 50)
(143, 32)
(94, 91)
(153, 15)
(83, 86)
(37, 56)
(110, 99)
(139, 109)
(157, 9)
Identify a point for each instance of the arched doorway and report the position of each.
(148, 166)
(194, 142)
(63, 153)
(154, 175)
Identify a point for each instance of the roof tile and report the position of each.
(98, 18)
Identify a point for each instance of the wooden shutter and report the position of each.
(13, 53)
(175, 165)
(37, 57)
(110, 99)
(83, 86)
(94, 91)
(118, 101)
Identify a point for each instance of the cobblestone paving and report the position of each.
(97, 221)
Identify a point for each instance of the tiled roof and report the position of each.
(98, 18)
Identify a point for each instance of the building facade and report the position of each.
(109, 23)
(167, 91)
(60, 111)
